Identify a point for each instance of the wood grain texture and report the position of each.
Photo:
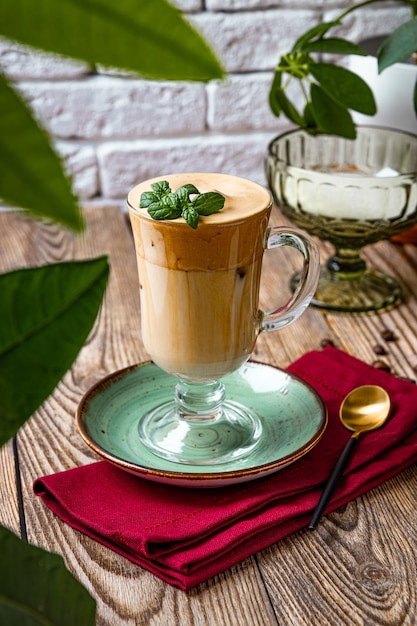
(9, 511)
(359, 567)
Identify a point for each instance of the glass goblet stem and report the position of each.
(199, 426)
(199, 401)
(346, 263)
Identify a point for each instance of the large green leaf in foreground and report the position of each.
(32, 176)
(150, 37)
(46, 315)
(37, 589)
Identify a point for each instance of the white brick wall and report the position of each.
(114, 131)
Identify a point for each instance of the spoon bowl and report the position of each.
(363, 409)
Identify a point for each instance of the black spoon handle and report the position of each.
(332, 482)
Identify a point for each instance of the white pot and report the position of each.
(393, 90)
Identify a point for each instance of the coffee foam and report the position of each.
(216, 243)
(243, 197)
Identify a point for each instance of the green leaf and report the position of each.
(318, 30)
(209, 203)
(171, 200)
(311, 123)
(288, 108)
(191, 216)
(189, 188)
(37, 588)
(345, 87)
(161, 211)
(46, 315)
(334, 46)
(32, 177)
(331, 117)
(276, 84)
(161, 188)
(399, 46)
(147, 198)
(149, 37)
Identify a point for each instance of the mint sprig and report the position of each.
(164, 204)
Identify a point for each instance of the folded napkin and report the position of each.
(186, 536)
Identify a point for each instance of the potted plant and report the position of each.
(323, 181)
(330, 91)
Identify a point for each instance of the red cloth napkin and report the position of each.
(186, 536)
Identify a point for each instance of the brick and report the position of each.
(189, 5)
(81, 164)
(241, 103)
(102, 107)
(369, 22)
(248, 5)
(23, 62)
(123, 165)
(253, 40)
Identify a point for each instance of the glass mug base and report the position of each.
(229, 435)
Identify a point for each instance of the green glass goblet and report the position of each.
(351, 193)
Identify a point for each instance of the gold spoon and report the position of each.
(364, 409)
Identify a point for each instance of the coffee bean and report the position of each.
(381, 365)
(326, 342)
(378, 349)
(388, 335)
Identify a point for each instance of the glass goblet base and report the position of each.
(199, 427)
(366, 291)
(222, 439)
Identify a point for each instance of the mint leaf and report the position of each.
(164, 204)
(191, 216)
(161, 188)
(184, 193)
(172, 201)
(208, 203)
(164, 210)
(189, 188)
(147, 198)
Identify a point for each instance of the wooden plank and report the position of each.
(9, 510)
(352, 569)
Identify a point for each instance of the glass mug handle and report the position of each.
(279, 236)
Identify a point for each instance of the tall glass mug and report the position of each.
(199, 292)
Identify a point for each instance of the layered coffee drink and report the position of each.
(199, 242)
(199, 287)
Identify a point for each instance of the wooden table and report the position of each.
(359, 567)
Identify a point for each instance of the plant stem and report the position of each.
(411, 3)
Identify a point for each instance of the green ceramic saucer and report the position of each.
(293, 415)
